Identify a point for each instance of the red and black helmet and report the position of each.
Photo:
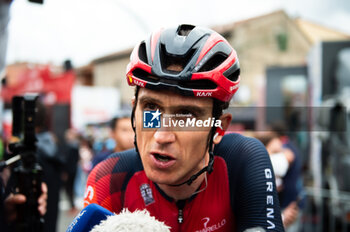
(209, 65)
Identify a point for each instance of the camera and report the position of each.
(27, 175)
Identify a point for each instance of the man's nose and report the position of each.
(164, 136)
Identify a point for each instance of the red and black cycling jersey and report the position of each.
(240, 192)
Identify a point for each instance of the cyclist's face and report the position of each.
(172, 155)
(123, 134)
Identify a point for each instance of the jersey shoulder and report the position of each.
(121, 162)
(107, 181)
(236, 146)
(242, 155)
(251, 182)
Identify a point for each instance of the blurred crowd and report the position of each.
(65, 168)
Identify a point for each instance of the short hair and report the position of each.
(279, 128)
(119, 115)
(265, 137)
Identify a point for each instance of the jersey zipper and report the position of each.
(180, 205)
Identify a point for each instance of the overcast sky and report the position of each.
(83, 30)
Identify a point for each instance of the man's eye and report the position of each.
(151, 106)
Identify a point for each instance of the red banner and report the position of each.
(56, 87)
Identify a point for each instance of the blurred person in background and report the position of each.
(291, 196)
(86, 154)
(283, 160)
(51, 162)
(122, 134)
(70, 168)
(8, 203)
(5, 173)
(47, 203)
(2, 150)
(9, 200)
(4, 176)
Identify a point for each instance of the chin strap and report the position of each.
(135, 144)
(209, 168)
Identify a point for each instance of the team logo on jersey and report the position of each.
(88, 195)
(146, 193)
(211, 227)
(151, 119)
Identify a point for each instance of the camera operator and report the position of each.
(8, 203)
(32, 201)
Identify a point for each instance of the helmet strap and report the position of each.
(209, 168)
(133, 119)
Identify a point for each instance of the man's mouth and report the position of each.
(162, 157)
(162, 160)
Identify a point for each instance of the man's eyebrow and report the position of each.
(196, 109)
(144, 99)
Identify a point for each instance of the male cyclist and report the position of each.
(188, 73)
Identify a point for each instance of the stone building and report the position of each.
(273, 39)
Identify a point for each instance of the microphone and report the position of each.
(90, 216)
(126, 221)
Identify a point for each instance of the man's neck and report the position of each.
(185, 191)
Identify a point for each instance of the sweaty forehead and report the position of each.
(172, 99)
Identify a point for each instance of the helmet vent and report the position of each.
(143, 75)
(168, 60)
(213, 62)
(184, 29)
(233, 72)
(198, 84)
(142, 52)
(234, 76)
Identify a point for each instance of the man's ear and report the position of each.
(225, 122)
(133, 101)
